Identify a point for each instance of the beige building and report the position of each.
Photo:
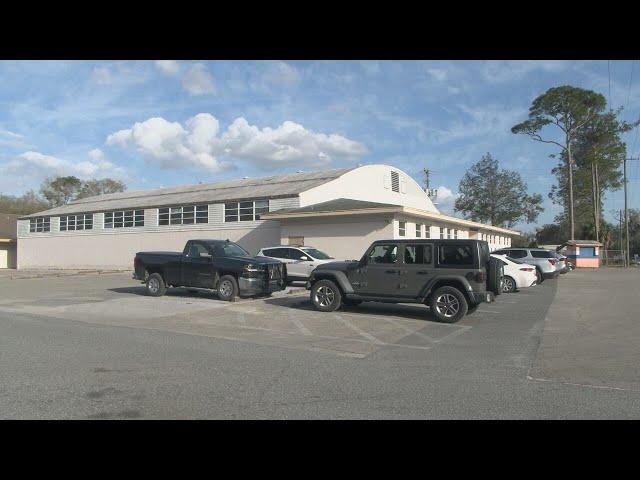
(340, 211)
(8, 224)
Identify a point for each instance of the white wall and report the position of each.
(344, 238)
(371, 183)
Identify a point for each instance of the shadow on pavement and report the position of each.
(171, 292)
(413, 312)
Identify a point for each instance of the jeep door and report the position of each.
(417, 268)
(381, 275)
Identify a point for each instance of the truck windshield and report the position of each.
(230, 250)
(317, 254)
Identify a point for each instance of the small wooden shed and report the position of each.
(583, 253)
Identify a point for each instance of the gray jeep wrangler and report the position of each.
(452, 277)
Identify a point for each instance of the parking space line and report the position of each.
(407, 329)
(488, 311)
(462, 330)
(304, 330)
(358, 330)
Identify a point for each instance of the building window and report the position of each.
(427, 231)
(84, 221)
(455, 233)
(395, 181)
(40, 224)
(187, 215)
(418, 230)
(124, 218)
(449, 232)
(402, 228)
(442, 232)
(246, 211)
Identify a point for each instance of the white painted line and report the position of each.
(304, 330)
(599, 387)
(488, 311)
(461, 330)
(358, 330)
(407, 329)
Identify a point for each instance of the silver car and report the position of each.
(300, 260)
(544, 260)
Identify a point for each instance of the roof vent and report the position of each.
(395, 181)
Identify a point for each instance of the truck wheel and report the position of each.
(228, 288)
(155, 285)
(448, 304)
(326, 296)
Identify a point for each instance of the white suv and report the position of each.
(300, 260)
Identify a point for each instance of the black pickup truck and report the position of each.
(452, 277)
(218, 265)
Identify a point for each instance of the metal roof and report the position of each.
(277, 186)
(8, 226)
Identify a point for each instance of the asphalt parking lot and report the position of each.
(95, 346)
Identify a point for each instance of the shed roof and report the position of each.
(583, 243)
(276, 186)
(8, 226)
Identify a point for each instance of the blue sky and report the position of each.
(169, 123)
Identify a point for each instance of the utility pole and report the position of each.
(627, 255)
(620, 231)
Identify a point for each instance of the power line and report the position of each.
(630, 80)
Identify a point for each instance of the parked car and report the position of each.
(544, 260)
(452, 277)
(561, 266)
(517, 274)
(218, 265)
(300, 260)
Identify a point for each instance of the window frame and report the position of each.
(458, 266)
(197, 213)
(402, 229)
(424, 246)
(119, 218)
(40, 225)
(256, 210)
(372, 249)
(419, 230)
(84, 219)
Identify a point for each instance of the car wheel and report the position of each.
(448, 304)
(539, 278)
(227, 288)
(326, 296)
(508, 285)
(155, 285)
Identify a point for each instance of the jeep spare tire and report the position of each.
(494, 276)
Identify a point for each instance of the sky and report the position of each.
(164, 123)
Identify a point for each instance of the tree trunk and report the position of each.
(570, 175)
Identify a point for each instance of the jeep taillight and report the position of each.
(480, 277)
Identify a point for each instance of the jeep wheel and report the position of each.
(326, 296)
(227, 288)
(448, 304)
(508, 285)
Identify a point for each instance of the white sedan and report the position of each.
(300, 260)
(516, 274)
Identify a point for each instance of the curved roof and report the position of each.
(247, 188)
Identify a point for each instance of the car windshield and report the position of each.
(230, 249)
(317, 254)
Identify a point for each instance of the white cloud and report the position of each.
(446, 200)
(438, 74)
(199, 144)
(7, 133)
(501, 71)
(102, 76)
(197, 80)
(37, 165)
(282, 73)
(168, 67)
